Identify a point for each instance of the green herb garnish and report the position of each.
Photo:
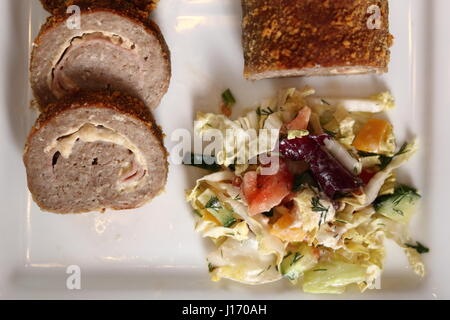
(228, 98)
(303, 180)
(201, 161)
(264, 271)
(229, 223)
(296, 258)
(224, 215)
(214, 204)
(268, 214)
(401, 192)
(211, 268)
(319, 207)
(237, 198)
(420, 248)
(264, 112)
(316, 270)
(325, 102)
(402, 149)
(198, 213)
(385, 160)
(330, 133)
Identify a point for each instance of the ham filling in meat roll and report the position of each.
(94, 152)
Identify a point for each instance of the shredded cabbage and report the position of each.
(342, 154)
(373, 188)
(244, 262)
(240, 140)
(324, 245)
(374, 104)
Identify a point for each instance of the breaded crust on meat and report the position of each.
(280, 35)
(113, 100)
(141, 7)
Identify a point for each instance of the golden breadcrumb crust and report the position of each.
(116, 100)
(142, 7)
(301, 34)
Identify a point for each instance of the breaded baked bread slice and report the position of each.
(283, 38)
(112, 50)
(93, 152)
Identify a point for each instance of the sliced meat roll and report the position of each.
(95, 152)
(283, 38)
(110, 51)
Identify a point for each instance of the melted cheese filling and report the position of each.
(91, 133)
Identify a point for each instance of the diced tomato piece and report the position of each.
(301, 121)
(249, 185)
(237, 181)
(289, 198)
(367, 175)
(263, 192)
(372, 135)
(316, 252)
(225, 110)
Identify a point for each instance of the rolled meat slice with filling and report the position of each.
(93, 152)
(111, 51)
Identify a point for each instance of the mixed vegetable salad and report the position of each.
(320, 219)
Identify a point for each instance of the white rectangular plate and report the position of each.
(153, 252)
